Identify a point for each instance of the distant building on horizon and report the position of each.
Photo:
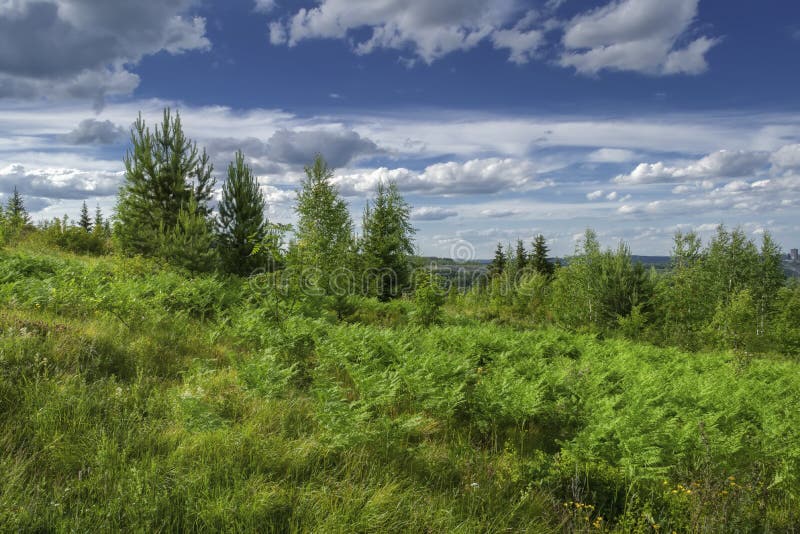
(793, 254)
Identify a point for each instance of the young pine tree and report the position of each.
(498, 264)
(241, 223)
(538, 260)
(164, 173)
(85, 221)
(324, 236)
(100, 226)
(388, 243)
(190, 243)
(16, 214)
(520, 257)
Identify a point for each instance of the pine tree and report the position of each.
(16, 214)
(85, 221)
(324, 237)
(189, 244)
(538, 260)
(498, 264)
(99, 226)
(242, 223)
(163, 172)
(520, 257)
(388, 243)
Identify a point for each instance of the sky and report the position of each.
(498, 119)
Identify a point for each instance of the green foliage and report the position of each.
(324, 243)
(538, 258)
(74, 238)
(597, 289)
(498, 264)
(135, 398)
(16, 216)
(242, 222)
(85, 222)
(387, 244)
(190, 243)
(164, 173)
(428, 298)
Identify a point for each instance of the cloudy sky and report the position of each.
(499, 119)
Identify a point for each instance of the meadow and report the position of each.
(139, 397)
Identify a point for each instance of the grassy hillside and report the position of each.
(139, 399)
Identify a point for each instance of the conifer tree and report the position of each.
(163, 172)
(242, 223)
(520, 257)
(538, 260)
(387, 243)
(100, 225)
(324, 237)
(498, 264)
(190, 243)
(16, 214)
(85, 221)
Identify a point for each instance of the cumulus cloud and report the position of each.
(432, 213)
(59, 183)
(758, 196)
(595, 195)
(720, 164)
(80, 48)
(787, 157)
(478, 176)
(338, 147)
(636, 35)
(430, 30)
(94, 132)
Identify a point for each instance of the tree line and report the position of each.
(728, 293)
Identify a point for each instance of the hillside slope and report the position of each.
(138, 399)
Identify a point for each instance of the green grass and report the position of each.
(139, 399)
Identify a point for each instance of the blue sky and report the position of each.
(498, 119)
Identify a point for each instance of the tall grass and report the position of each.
(134, 398)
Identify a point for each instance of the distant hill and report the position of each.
(792, 268)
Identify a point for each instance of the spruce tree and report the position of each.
(163, 172)
(324, 237)
(520, 257)
(16, 214)
(99, 224)
(85, 221)
(538, 260)
(242, 223)
(388, 243)
(498, 264)
(190, 243)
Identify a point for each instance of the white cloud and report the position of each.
(432, 213)
(477, 176)
(595, 195)
(611, 155)
(430, 30)
(720, 164)
(264, 6)
(80, 48)
(494, 213)
(59, 183)
(787, 157)
(636, 35)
